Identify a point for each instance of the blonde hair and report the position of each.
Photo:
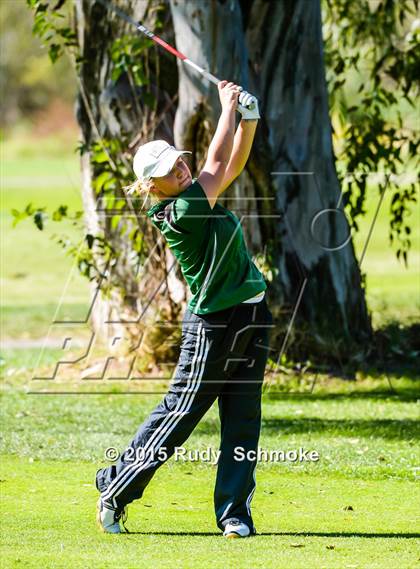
(139, 188)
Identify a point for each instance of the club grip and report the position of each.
(251, 100)
(251, 105)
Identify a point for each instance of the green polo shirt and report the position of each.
(210, 248)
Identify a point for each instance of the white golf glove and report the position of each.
(246, 100)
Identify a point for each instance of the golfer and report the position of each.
(225, 328)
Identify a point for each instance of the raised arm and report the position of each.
(228, 154)
(220, 149)
(242, 143)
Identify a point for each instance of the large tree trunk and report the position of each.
(274, 49)
(109, 109)
(290, 177)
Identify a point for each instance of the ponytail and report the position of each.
(139, 188)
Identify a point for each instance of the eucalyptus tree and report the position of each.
(289, 197)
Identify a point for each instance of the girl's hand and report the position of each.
(248, 106)
(228, 94)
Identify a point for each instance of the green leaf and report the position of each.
(90, 239)
(18, 216)
(102, 180)
(39, 220)
(116, 73)
(41, 8)
(54, 52)
(395, 197)
(100, 157)
(15, 212)
(59, 213)
(115, 221)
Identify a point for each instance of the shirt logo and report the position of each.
(159, 215)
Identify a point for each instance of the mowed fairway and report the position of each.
(392, 289)
(302, 524)
(36, 276)
(357, 507)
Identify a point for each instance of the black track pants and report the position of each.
(223, 355)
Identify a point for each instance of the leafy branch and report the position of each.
(108, 158)
(372, 72)
(51, 25)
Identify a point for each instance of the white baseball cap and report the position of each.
(155, 159)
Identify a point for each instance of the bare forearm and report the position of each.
(220, 148)
(242, 144)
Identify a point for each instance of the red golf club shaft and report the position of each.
(175, 52)
(162, 43)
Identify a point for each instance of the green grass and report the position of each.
(392, 289)
(27, 278)
(302, 521)
(357, 436)
(368, 447)
(37, 277)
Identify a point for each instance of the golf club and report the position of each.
(165, 45)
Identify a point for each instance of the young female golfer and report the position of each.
(225, 328)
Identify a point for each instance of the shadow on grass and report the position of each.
(405, 395)
(394, 350)
(287, 534)
(381, 428)
(404, 429)
(396, 343)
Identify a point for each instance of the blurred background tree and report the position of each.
(373, 69)
(28, 82)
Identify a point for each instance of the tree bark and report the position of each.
(112, 109)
